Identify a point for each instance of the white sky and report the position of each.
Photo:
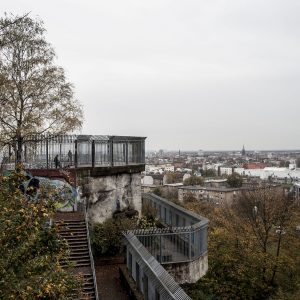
(191, 74)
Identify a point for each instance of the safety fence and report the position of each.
(46, 151)
(182, 239)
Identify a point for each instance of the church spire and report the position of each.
(243, 151)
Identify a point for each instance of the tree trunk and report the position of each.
(19, 149)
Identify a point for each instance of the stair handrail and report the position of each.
(90, 252)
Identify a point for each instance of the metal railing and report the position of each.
(91, 254)
(152, 279)
(183, 239)
(50, 152)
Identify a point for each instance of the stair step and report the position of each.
(78, 244)
(69, 221)
(88, 284)
(62, 222)
(84, 254)
(72, 241)
(61, 226)
(73, 236)
(76, 264)
(80, 258)
(75, 225)
(79, 249)
(72, 231)
(89, 294)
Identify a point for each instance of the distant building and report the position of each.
(168, 168)
(200, 153)
(215, 182)
(158, 179)
(243, 151)
(297, 191)
(148, 188)
(147, 180)
(225, 170)
(217, 195)
(254, 165)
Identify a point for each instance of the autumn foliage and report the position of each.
(30, 249)
(253, 248)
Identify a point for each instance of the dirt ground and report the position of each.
(108, 283)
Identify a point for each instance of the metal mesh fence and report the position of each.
(40, 152)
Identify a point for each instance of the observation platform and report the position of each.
(88, 155)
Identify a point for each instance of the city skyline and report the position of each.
(217, 74)
(218, 150)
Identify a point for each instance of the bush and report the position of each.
(189, 197)
(149, 218)
(157, 192)
(235, 180)
(194, 180)
(107, 237)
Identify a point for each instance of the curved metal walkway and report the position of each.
(184, 239)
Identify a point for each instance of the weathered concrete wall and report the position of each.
(188, 272)
(106, 194)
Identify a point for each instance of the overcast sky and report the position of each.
(212, 74)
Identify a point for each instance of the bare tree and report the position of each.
(35, 97)
(269, 213)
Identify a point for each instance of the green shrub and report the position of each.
(107, 237)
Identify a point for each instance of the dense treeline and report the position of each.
(253, 248)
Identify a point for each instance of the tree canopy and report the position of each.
(235, 180)
(253, 248)
(35, 97)
(208, 173)
(194, 180)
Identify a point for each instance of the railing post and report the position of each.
(190, 245)
(160, 251)
(60, 152)
(76, 155)
(111, 145)
(142, 152)
(126, 153)
(25, 153)
(9, 153)
(93, 153)
(47, 153)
